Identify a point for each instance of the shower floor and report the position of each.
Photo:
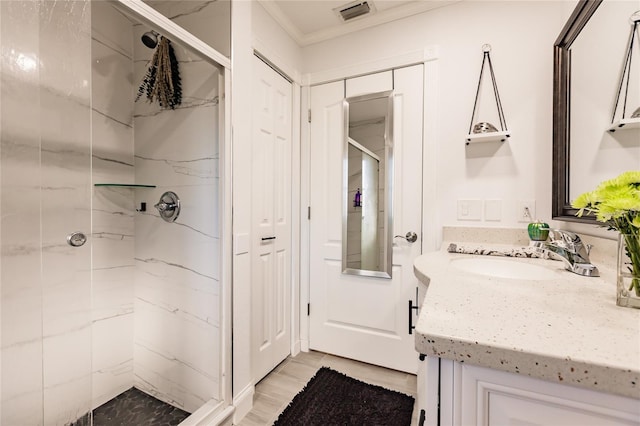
(134, 407)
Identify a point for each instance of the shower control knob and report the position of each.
(168, 206)
(163, 207)
(76, 239)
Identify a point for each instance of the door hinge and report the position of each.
(308, 309)
(309, 213)
(309, 115)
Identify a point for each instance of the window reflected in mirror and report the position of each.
(368, 157)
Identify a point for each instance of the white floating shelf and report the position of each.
(487, 137)
(625, 123)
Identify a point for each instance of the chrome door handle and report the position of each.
(76, 239)
(411, 237)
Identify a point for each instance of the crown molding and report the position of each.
(379, 18)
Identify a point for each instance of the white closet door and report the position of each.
(271, 211)
(358, 317)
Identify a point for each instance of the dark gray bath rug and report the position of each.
(332, 398)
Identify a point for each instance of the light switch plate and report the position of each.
(469, 209)
(493, 210)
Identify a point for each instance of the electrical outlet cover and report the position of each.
(526, 211)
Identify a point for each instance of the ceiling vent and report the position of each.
(353, 10)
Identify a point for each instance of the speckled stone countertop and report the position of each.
(566, 330)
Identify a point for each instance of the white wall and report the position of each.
(273, 42)
(521, 35)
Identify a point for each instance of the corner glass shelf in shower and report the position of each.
(125, 185)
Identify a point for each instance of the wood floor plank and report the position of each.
(277, 389)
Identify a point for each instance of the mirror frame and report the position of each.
(561, 205)
(388, 190)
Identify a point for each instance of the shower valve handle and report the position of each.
(162, 207)
(168, 206)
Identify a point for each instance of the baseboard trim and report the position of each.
(295, 348)
(243, 403)
(212, 413)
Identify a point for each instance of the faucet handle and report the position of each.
(567, 237)
(589, 247)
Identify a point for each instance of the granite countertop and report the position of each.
(566, 330)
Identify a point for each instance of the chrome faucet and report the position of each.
(569, 248)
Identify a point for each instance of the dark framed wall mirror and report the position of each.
(589, 57)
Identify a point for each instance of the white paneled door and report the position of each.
(271, 215)
(358, 317)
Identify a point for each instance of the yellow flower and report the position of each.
(628, 178)
(614, 199)
(585, 202)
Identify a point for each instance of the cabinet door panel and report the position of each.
(483, 396)
(505, 409)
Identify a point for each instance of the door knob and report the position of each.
(411, 237)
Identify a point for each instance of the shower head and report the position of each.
(150, 39)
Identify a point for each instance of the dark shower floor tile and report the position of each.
(136, 408)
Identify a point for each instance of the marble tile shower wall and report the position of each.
(113, 208)
(177, 308)
(44, 164)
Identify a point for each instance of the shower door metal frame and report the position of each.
(212, 412)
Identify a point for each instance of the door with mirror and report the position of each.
(366, 187)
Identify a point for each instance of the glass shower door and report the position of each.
(45, 197)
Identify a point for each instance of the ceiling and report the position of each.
(313, 21)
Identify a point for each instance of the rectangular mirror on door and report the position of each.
(367, 185)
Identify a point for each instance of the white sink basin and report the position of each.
(504, 268)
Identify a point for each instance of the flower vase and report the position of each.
(628, 293)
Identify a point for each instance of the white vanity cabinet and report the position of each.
(454, 393)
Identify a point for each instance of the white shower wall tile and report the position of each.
(185, 293)
(176, 356)
(113, 292)
(183, 134)
(193, 340)
(22, 383)
(199, 81)
(64, 43)
(113, 210)
(199, 211)
(113, 215)
(181, 388)
(65, 196)
(67, 376)
(21, 345)
(23, 409)
(111, 27)
(168, 170)
(208, 20)
(112, 355)
(112, 151)
(112, 83)
(177, 245)
(177, 305)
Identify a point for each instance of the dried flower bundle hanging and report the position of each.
(162, 81)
